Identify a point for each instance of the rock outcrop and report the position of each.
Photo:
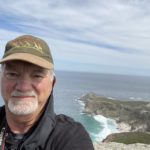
(120, 146)
(130, 115)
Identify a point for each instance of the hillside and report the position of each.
(133, 115)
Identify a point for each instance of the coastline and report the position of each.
(130, 117)
(108, 126)
(117, 127)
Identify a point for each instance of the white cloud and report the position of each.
(112, 32)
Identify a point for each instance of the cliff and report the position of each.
(130, 115)
(132, 118)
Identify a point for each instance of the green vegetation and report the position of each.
(129, 138)
(134, 113)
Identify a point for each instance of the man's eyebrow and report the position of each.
(9, 66)
(40, 70)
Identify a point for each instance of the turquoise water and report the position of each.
(92, 126)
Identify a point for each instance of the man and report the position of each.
(27, 120)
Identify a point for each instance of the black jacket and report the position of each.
(53, 132)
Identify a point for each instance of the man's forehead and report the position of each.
(18, 63)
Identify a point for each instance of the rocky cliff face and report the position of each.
(134, 115)
(130, 116)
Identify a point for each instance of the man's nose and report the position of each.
(23, 83)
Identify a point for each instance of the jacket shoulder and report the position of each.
(64, 119)
(70, 134)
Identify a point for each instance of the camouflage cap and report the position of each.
(30, 49)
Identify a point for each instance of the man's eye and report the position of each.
(11, 75)
(38, 76)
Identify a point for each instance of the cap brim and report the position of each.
(33, 59)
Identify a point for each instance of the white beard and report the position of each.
(23, 106)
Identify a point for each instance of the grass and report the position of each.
(131, 137)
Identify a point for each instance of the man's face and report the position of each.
(25, 87)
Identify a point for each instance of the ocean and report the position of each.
(70, 86)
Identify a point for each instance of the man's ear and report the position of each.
(54, 81)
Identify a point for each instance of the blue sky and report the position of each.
(106, 36)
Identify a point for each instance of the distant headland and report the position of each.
(132, 117)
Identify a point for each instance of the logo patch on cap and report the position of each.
(26, 44)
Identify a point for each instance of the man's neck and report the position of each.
(21, 124)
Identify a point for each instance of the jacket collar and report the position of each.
(38, 134)
(43, 128)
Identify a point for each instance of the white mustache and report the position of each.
(17, 93)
